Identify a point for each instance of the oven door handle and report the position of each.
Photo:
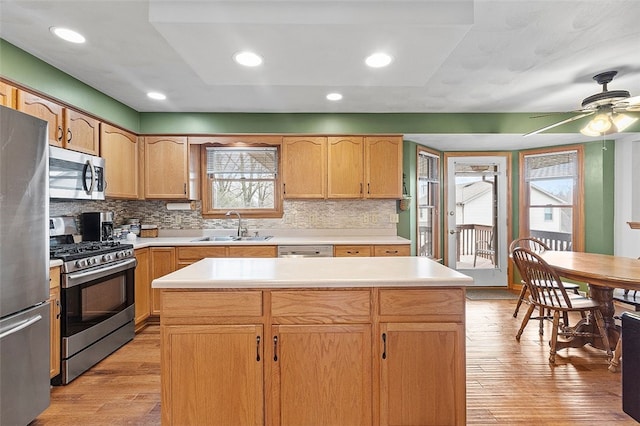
(76, 278)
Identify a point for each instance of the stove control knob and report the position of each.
(119, 255)
(106, 258)
(78, 264)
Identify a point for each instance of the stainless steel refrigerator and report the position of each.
(24, 268)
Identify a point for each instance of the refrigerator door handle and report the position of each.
(20, 326)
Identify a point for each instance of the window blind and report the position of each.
(551, 166)
(242, 163)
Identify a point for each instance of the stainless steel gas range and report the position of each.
(97, 296)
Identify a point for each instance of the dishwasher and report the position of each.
(305, 251)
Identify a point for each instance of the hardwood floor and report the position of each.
(508, 382)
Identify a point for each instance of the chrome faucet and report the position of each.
(229, 213)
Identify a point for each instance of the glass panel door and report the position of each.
(477, 218)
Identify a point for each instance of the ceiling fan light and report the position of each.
(600, 123)
(587, 131)
(622, 121)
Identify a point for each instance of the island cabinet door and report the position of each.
(212, 375)
(321, 374)
(422, 374)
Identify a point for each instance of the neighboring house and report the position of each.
(473, 203)
(553, 219)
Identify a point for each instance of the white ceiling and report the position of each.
(449, 55)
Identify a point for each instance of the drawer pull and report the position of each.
(258, 348)
(275, 348)
(384, 345)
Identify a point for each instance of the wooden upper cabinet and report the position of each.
(345, 167)
(82, 133)
(304, 167)
(383, 166)
(46, 110)
(7, 95)
(119, 148)
(68, 128)
(166, 167)
(365, 167)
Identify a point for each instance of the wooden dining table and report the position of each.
(603, 273)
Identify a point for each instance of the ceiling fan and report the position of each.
(608, 107)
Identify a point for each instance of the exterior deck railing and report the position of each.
(468, 234)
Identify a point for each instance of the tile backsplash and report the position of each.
(316, 214)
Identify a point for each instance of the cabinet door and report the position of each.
(345, 170)
(163, 262)
(120, 150)
(82, 133)
(7, 95)
(304, 167)
(142, 286)
(56, 311)
(422, 374)
(383, 167)
(46, 110)
(322, 374)
(165, 167)
(212, 375)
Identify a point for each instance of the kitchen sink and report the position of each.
(260, 238)
(232, 238)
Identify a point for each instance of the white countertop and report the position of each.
(274, 241)
(55, 262)
(316, 272)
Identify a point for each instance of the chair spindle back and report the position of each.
(544, 284)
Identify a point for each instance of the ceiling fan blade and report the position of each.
(568, 120)
(631, 104)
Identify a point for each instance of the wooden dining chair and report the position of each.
(536, 246)
(547, 292)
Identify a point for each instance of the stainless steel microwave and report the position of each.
(74, 175)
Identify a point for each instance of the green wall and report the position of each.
(31, 72)
(599, 171)
(24, 69)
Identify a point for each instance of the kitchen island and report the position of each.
(292, 341)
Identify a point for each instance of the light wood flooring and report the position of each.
(508, 382)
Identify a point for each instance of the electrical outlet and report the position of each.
(394, 218)
(365, 218)
(373, 218)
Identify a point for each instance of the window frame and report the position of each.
(240, 142)
(577, 229)
(436, 245)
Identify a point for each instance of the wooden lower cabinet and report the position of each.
(322, 374)
(217, 375)
(56, 311)
(163, 262)
(142, 294)
(421, 367)
(381, 356)
(363, 250)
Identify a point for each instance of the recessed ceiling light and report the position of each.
(157, 96)
(334, 96)
(67, 34)
(378, 60)
(248, 59)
